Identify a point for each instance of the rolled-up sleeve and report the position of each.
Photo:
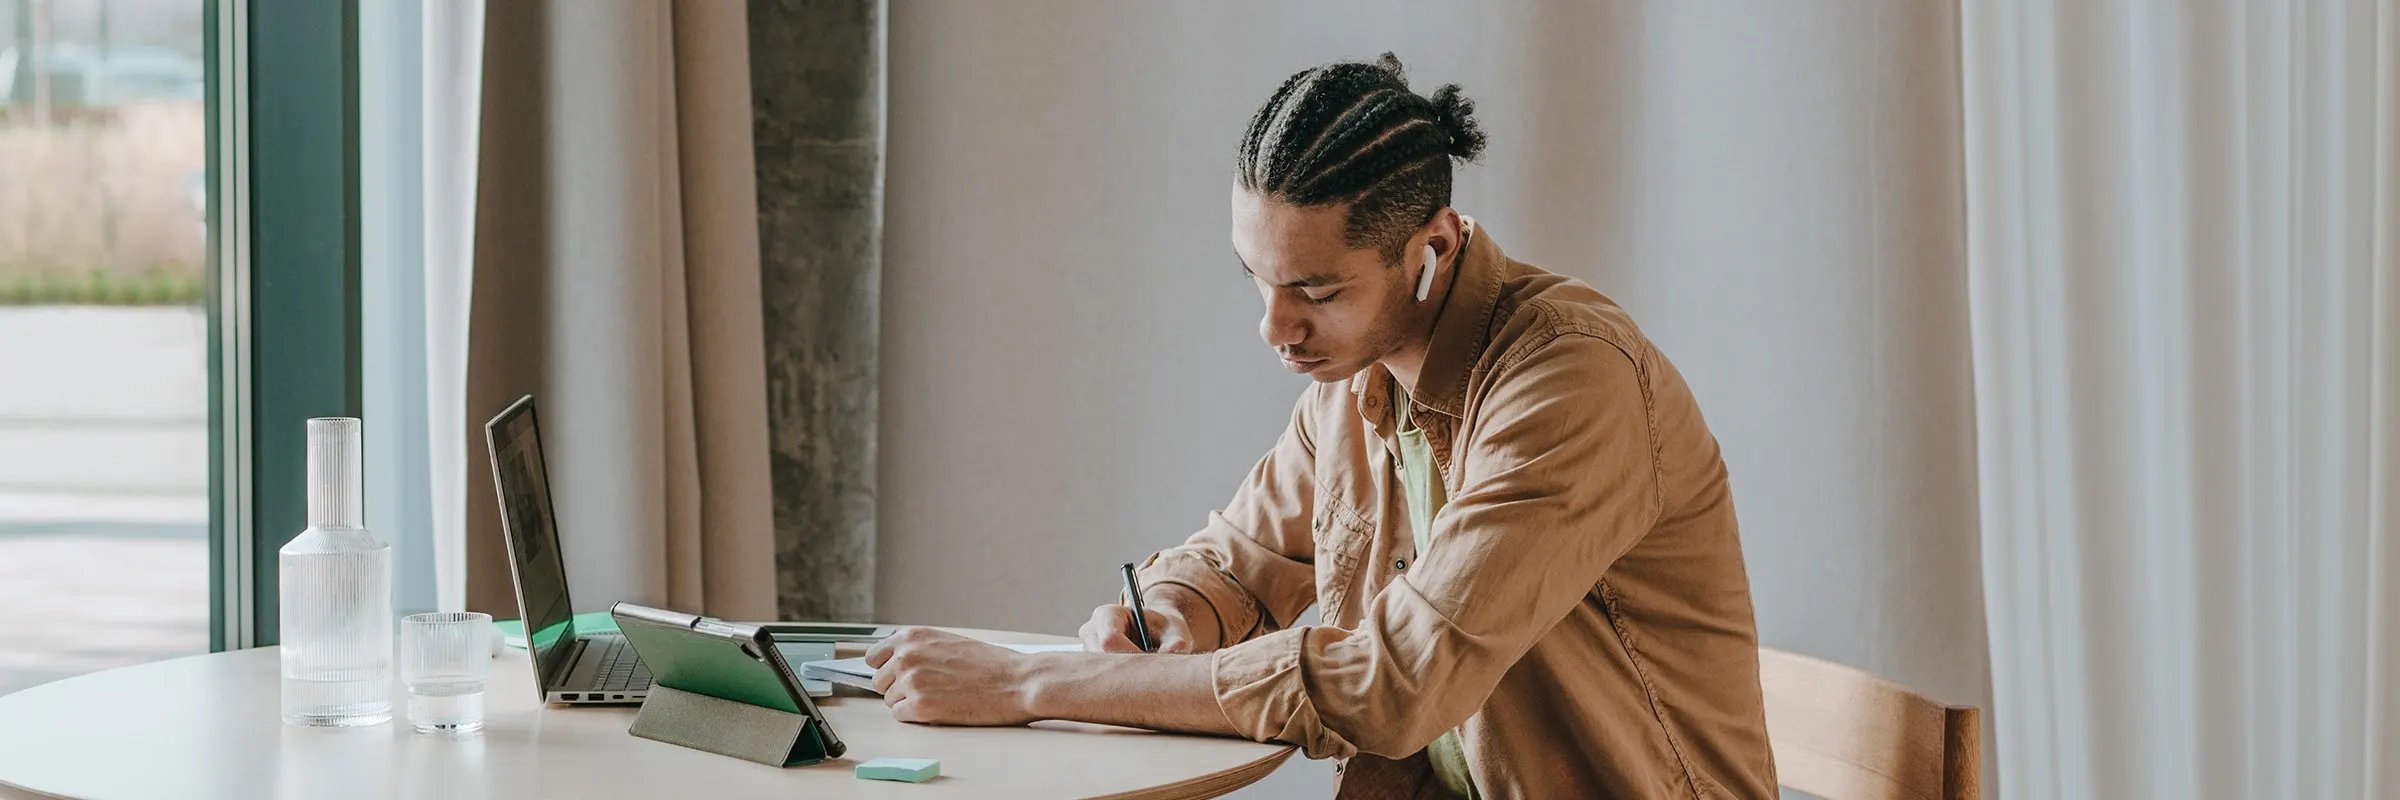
(1254, 560)
(1560, 479)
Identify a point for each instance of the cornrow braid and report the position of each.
(1364, 120)
(1248, 157)
(1351, 133)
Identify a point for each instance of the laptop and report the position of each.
(569, 666)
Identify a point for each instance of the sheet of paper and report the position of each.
(850, 671)
(855, 672)
(1045, 648)
(837, 666)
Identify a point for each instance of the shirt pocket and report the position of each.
(1341, 541)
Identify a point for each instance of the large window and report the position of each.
(181, 244)
(104, 392)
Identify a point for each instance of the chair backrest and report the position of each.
(1847, 734)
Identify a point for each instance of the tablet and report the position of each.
(735, 661)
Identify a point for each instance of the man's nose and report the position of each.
(1281, 327)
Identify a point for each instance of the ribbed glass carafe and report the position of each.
(336, 594)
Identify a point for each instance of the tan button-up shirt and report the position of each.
(1581, 615)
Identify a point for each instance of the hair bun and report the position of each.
(1456, 115)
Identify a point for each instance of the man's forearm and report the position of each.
(1138, 690)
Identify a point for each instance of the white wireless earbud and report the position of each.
(1425, 278)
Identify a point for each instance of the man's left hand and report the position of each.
(933, 676)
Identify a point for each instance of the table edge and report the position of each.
(1199, 786)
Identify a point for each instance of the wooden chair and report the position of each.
(1846, 734)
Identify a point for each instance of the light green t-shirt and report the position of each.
(1423, 486)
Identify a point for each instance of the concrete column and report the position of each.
(817, 105)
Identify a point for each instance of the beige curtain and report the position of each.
(616, 278)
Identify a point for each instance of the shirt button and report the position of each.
(1399, 564)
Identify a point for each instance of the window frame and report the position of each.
(283, 281)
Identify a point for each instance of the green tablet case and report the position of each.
(722, 687)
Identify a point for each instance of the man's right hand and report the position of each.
(1111, 627)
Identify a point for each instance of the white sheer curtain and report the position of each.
(2186, 325)
(453, 86)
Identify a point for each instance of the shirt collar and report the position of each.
(1459, 336)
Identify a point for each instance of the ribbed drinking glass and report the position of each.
(445, 659)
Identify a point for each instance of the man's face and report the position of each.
(1331, 310)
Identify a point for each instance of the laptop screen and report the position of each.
(523, 480)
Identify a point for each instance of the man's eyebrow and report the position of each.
(1305, 281)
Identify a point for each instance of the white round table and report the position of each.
(208, 726)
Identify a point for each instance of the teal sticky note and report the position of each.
(512, 632)
(912, 770)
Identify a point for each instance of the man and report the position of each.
(1501, 496)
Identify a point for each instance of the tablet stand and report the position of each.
(768, 736)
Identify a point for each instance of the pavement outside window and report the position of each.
(103, 489)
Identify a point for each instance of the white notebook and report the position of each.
(855, 672)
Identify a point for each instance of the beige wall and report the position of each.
(1071, 374)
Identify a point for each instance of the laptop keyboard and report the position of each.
(621, 669)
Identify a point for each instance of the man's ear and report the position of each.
(1446, 233)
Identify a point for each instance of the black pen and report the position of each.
(1133, 598)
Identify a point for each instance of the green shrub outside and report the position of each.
(159, 288)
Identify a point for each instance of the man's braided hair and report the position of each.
(1352, 133)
